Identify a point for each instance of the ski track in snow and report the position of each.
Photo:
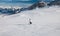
(46, 22)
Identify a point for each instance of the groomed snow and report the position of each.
(45, 22)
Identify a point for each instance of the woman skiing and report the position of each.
(30, 22)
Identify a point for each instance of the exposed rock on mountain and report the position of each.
(10, 11)
(56, 2)
(41, 4)
(33, 6)
(38, 4)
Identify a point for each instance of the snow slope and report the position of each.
(46, 22)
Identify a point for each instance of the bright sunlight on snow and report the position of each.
(45, 22)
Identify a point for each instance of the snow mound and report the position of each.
(45, 22)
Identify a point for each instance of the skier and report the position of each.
(30, 22)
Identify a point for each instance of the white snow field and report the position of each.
(45, 22)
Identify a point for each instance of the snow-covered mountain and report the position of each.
(45, 22)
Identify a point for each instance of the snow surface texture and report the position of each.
(46, 22)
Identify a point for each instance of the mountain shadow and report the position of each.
(56, 2)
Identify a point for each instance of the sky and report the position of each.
(17, 2)
(24, 0)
